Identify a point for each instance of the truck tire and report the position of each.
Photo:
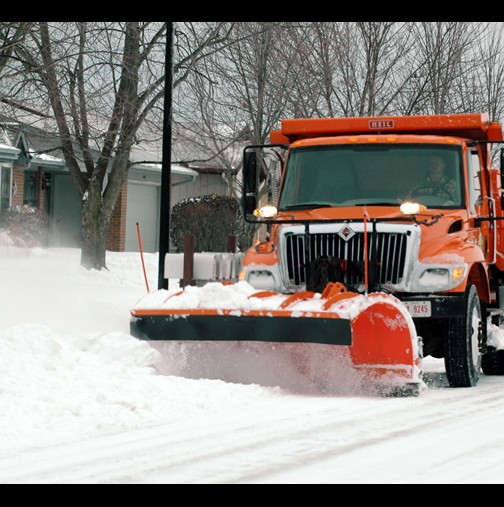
(493, 362)
(463, 343)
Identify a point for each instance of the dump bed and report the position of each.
(476, 126)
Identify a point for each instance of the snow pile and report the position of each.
(70, 368)
(495, 336)
(56, 388)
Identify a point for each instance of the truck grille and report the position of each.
(389, 249)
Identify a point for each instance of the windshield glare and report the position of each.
(342, 175)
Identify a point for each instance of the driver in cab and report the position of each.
(436, 182)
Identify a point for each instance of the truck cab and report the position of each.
(405, 205)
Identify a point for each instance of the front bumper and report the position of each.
(442, 306)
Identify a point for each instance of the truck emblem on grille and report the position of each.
(346, 233)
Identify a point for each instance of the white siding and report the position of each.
(204, 184)
(143, 208)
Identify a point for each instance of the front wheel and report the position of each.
(463, 343)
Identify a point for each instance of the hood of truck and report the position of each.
(348, 213)
(450, 238)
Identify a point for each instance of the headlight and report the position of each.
(411, 208)
(435, 277)
(262, 280)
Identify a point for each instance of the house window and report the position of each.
(5, 187)
(30, 189)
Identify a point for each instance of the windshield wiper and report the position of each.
(307, 205)
(384, 203)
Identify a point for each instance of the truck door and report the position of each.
(480, 204)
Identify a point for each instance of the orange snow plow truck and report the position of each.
(381, 238)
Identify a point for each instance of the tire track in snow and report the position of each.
(246, 448)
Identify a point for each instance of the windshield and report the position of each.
(343, 175)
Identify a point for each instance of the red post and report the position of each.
(142, 257)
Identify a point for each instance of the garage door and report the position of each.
(143, 208)
(65, 212)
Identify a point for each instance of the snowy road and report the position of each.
(81, 403)
(445, 435)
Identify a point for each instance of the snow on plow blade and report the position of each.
(376, 330)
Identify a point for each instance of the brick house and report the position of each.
(33, 172)
(8, 186)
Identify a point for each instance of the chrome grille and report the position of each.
(389, 249)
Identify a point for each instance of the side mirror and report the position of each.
(249, 171)
(261, 163)
(249, 194)
(249, 204)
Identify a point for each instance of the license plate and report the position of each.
(419, 308)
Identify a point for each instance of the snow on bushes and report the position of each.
(23, 226)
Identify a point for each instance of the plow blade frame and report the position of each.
(218, 327)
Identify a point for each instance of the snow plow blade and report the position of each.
(375, 330)
(213, 325)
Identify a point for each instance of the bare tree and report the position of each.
(349, 69)
(12, 35)
(483, 89)
(237, 94)
(103, 80)
(370, 68)
(442, 48)
(74, 78)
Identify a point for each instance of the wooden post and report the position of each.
(231, 244)
(188, 260)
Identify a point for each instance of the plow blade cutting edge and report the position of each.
(376, 329)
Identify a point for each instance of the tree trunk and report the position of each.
(95, 225)
(94, 244)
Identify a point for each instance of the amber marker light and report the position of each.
(411, 208)
(457, 274)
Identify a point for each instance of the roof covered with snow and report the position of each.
(8, 152)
